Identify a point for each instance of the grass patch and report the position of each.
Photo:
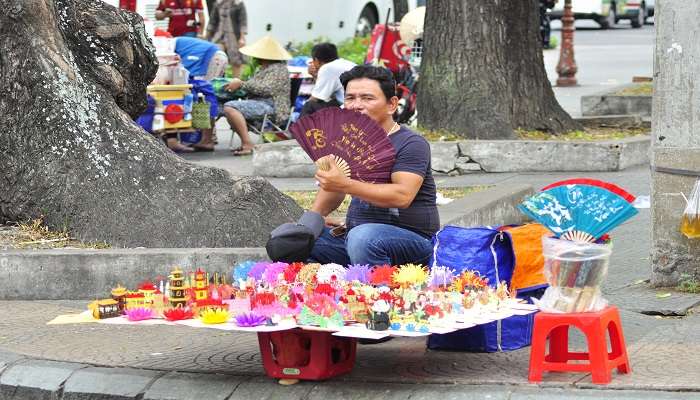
(34, 234)
(305, 198)
(589, 134)
(353, 49)
(436, 135)
(688, 285)
(639, 89)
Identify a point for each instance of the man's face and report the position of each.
(313, 67)
(365, 96)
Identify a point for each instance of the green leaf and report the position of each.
(663, 295)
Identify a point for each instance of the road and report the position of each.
(605, 58)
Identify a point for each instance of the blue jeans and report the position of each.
(373, 244)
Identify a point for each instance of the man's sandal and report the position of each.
(242, 152)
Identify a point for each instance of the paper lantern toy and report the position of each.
(177, 287)
(135, 300)
(107, 308)
(119, 295)
(148, 289)
(201, 288)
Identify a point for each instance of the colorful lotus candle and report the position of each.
(468, 281)
(410, 275)
(139, 314)
(258, 270)
(328, 273)
(358, 273)
(238, 306)
(274, 272)
(321, 310)
(248, 320)
(383, 275)
(262, 299)
(213, 316)
(441, 278)
(307, 274)
(178, 314)
(241, 271)
(290, 273)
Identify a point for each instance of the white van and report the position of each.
(606, 12)
(295, 21)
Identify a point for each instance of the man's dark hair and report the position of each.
(380, 74)
(324, 52)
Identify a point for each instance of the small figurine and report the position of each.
(201, 289)
(379, 316)
(177, 289)
(119, 295)
(108, 308)
(134, 300)
(148, 289)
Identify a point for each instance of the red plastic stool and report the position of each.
(310, 355)
(593, 325)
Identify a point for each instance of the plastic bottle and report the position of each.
(158, 120)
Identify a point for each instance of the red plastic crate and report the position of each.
(308, 355)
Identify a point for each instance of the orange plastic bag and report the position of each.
(529, 261)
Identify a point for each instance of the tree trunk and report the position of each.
(72, 76)
(482, 73)
(400, 9)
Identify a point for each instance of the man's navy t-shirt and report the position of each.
(412, 155)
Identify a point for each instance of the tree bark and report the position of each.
(482, 73)
(400, 9)
(72, 77)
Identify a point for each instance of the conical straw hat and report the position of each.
(266, 48)
(411, 27)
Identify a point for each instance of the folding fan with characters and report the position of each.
(359, 146)
(580, 209)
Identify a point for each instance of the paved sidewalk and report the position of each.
(204, 363)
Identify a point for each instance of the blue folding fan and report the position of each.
(580, 209)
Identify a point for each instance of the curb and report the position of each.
(494, 205)
(564, 156)
(608, 103)
(60, 274)
(30, 378)
(469, 156)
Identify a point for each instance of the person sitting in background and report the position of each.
(326, 68)
(204, 61)
(228, 26)
(267, 90)
(183, 20)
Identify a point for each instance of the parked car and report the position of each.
(606, 12)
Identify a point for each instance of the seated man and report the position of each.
(268, 91)
(326, 68)
(386, 223)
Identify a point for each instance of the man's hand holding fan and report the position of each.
(329, 175)
(345, 143)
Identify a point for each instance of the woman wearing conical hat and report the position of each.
(268, 91)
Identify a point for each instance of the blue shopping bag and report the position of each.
(489, 252)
